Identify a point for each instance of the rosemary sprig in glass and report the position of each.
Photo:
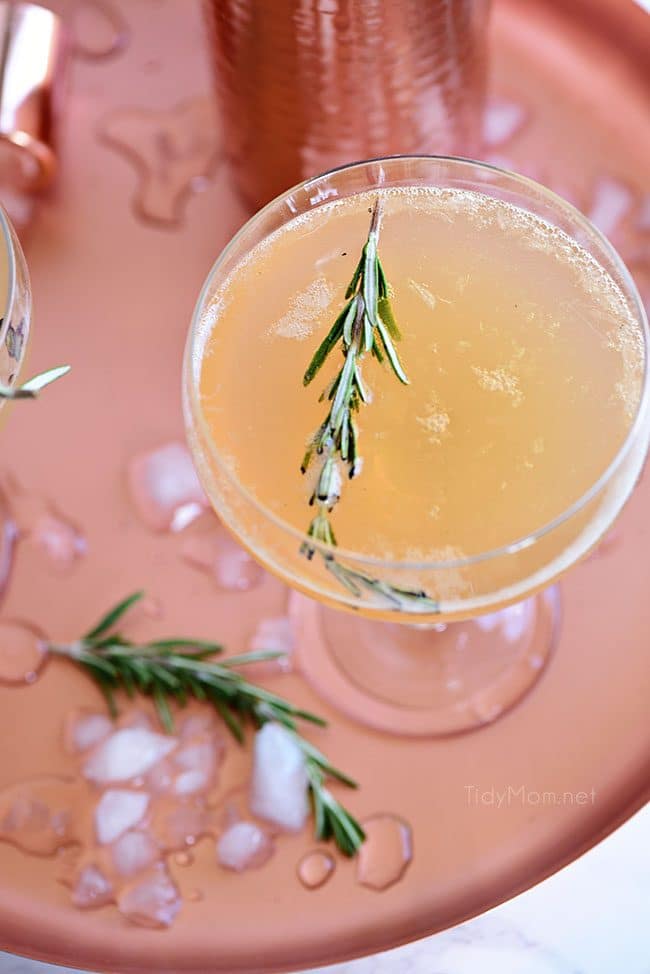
(179, 669)
(31, 388)
(365, 324)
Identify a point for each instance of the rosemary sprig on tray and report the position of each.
(179, 669)
(365, 324)
(31, 388)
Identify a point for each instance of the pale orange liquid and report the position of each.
(523, 359)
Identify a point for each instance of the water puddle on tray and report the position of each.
(174, 153)
(35, 521)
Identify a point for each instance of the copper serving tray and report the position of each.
(117, 257)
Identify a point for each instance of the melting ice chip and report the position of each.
(279, 782)
(133, 852)
(83, 730)
(117, 812)
(60, 540)
(152, 901)
(244, 846)
(92, 888)
(126, 754)
(197, 763)
(275, 634)
(165, 488)
(612, 201)
(215, 553)
(502, 120)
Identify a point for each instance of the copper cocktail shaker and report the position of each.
(306, 85)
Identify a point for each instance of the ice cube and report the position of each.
(127, 753)
(59, 539)
(611, 202)
(175, 828)
(279, 780)
(135, 718)
(190, 782)
(36, 814)
(502, 120)
(643, 216)
(160, 779)
(151, 901)
(165, 489)
(84, 729)
(199, 754)
(92, 888)
(197, 724)
(244, 846)
(218, 555)
(197, 760)
(117, 811)
(133, 852)
(275, 634)
(27, 815)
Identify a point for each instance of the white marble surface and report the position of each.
(593, 917)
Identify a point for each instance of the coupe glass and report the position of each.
(14, 331)
(16, 314)
(392, 666)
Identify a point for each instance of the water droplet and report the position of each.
(386, 853)
(183, 858)
(315, 868)
(22, 652)
(169, 150)
(195, 896)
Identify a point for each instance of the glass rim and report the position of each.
(10, 247)
(519, 544)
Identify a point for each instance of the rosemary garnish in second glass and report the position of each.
(179, 669)
(31, 388)
(365, 325)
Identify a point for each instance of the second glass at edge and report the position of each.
(442, 673)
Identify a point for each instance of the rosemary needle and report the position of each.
(31, 388)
